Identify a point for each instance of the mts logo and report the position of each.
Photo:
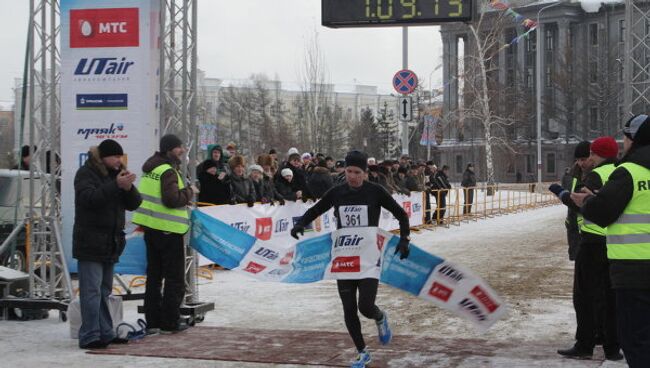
(417, 207)
(346, 264)
(348, 241)
(267, 253)
(484, 298)
(282, 225)
(407, 208)
(241, 226)
(263, 228)
(286, 259)
(253, 267)
(440, 291)
(110, 27)
(380, 242)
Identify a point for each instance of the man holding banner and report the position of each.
(357, 207)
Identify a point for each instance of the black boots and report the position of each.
(577, 352)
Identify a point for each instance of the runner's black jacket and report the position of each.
(370, 194)
(605, 207)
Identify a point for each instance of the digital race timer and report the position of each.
(369, 13)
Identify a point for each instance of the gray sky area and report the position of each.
(239, 38)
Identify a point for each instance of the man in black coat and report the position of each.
(444, 186)
(469, 184)
(103, 192)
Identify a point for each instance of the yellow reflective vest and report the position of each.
(152, 213)
(629, 237)
(587, 226)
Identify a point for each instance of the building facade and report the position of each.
(582, 87)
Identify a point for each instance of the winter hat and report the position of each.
(373, 168)
(254, 167)
(265, 160)
(358, 159)
(169, 142)
(605, 147)
(286, 172)
(24, 151)
(292, 150)
(638, 129)
(306, 156)
(340, 163)
(208, 164)
(272, 151)
(236, 161)
(582, 150)
(109, 147)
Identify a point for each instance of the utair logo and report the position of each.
(241, 226)
(348, 241)
(103, 66)
(113, 131)
(281, 225)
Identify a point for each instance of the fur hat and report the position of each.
(264, 160)
(254, 167)
(286, 172)
(236, 161)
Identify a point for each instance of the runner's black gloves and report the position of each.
(557, 190)
(297, 229)
(403, 248)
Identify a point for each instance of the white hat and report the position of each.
(255, 167)
(286, 172)
(292, 150)
(306, 155)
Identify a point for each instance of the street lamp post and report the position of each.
(539, 77)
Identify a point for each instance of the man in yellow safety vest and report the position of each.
(165, 218)
(622, 205)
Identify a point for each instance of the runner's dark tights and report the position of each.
(366, 305)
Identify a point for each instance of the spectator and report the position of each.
(103, 192)
(231, 148)
(25, 159)
(411, 181)
(299, 181)
(274, 155)
(468, 183)
(320, 181)
(242, 189)
(372, 161)
(283, 184)
(329, 163)
(443, 186)
(212, 175)
(400, 181)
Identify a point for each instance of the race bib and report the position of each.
(354, 216)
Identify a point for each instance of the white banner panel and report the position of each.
(109, 84)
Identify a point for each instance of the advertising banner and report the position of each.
(109, 84)
(349, 253)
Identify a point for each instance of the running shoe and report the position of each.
(383, 330)
(362, 359)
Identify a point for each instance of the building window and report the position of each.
(593, 118)
(593, 72)
(459, 164)
(550, 40)
(550, 163)
(531, 44)
(548, 76)
(530, 163)
(529, 78)
(593, 34)
(621, 30)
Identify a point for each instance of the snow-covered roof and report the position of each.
(6, 105)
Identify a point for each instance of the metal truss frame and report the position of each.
(637, 56)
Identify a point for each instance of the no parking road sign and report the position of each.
(405, 81)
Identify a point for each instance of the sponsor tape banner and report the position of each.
(350, 253)
(109, 82)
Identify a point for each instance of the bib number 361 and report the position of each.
(354, 216)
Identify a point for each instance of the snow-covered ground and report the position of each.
(523, 256)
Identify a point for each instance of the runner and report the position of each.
(364, 200)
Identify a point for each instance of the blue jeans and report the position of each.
(633, 311)
(95, 286)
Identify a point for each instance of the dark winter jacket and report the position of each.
(299, 181)
(100, 205)
(442, 181)
(320, 181)
(469, 179)
(265, 190)
(213, 190)
(284, 189)
(242, 189)
(413, 184)
(171, 195)
(606, 206)
(400, 184)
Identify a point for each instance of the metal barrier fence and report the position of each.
(457, 205)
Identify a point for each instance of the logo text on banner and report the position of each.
(111, 27)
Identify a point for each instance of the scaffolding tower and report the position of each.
(637, 56)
